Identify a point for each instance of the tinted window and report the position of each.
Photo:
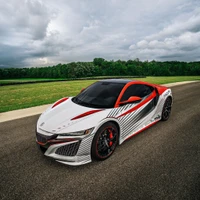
(137, 90)
(99, 95)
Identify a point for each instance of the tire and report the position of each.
(166, 109)
(105, 141)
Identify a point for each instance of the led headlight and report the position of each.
(78, 133)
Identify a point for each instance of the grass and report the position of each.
(28, 95)
(169, 79)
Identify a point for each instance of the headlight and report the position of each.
(78, 133)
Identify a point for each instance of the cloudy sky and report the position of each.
(48, 32)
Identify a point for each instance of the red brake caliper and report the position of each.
(111, 137)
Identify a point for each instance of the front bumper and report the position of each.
(72, 150)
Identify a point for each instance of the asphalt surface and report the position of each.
(162, 162)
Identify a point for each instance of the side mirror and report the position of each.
(131, 100)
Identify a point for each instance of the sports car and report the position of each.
(89, 126)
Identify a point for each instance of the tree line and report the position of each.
(102, 67)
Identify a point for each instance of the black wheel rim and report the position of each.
(167, 108)
(106, 142)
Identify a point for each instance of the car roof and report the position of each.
(116, 80)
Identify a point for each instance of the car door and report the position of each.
(134, 118)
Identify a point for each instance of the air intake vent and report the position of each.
(68, 150)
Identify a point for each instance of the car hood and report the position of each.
(70, 117)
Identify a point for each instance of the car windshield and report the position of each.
(99, 95)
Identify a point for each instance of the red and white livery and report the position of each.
(76, 130)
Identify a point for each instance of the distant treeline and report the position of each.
(102, 67)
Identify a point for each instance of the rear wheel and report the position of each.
(167, 109)
(105, 141)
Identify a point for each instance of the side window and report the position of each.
(147, 90)
(139, 90)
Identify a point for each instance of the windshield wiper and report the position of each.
(79, 102)
(86, 104)
(89, 105)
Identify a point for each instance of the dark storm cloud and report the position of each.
(23, 28)
(40, 33)
(12, 56)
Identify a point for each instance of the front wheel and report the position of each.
(166, 109)
(105, 141)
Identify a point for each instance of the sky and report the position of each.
(36, 33)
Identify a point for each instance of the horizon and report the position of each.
(56, 64)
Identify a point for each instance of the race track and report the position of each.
(160, 163)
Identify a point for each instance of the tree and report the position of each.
(98, 61)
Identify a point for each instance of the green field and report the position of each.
(28, 95)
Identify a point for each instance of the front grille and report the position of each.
(68, 150)
(44, 138)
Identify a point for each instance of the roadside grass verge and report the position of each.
(169, 79)
(28, 95)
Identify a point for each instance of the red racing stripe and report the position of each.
(139, 105)
(59, 101)
(86, 114)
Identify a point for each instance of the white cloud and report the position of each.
(178, 40)
(37, 33)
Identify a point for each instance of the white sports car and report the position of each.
(76, 130)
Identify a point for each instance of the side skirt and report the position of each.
(142, 129)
